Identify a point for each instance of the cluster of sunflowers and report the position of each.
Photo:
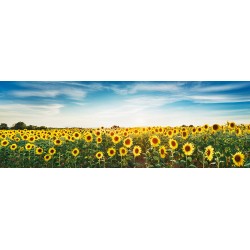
(186, 146)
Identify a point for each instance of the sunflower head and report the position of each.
(188, 149)
(39, 151)
(123, 151)
(209, 153)
(99, 155)
(47, 157)
(98, 139)
(57, 142)
(216, 127)
(155, 141)
(28, 146)
(162, 151)
(111, 152)
(75, 152)
(128, 142)
(52, 151)
(13, 147)
(116, 139)
(238, 159)
(136, 151)
(88, 137)
(4, 143)
(173, 144)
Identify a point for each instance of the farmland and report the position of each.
(209, 146)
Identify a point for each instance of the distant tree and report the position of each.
(3, 126)
(42, 128)
(20, 125)
(31, 127)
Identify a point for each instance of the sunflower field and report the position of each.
(216, 146)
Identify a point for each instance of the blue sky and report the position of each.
(95, 104)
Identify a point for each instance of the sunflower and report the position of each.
(116, 139)
(173, 144)
(184, 135)
(25, 137)
(39, 151)
(13, 147)
(99, 155)
(47, 157)
(238, 159)
(170, 133)
(57, 142)
(4, 143)
(17, 139)
(28, 146)
(188, 149)
(209, 153)
(155, 141)
(162, 151)
(99, 139)
(111, 152)
(123, 151)
(88, 137)
(216, 127)
(75, 152)
(31, 139)
(52, 151)
(206, 127)
(137, 151)
(128, 142)
(232, 125)
(77, 135)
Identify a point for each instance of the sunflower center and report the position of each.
(162, 151)
(127, 142)
(208, 152)
(187, 148)
(75, 151)
(89, 138)
(237, 158)
(155, 140)
(173, 143)
(136, 150)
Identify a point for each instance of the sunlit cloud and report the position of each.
(94, 104)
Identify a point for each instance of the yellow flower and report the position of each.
(4, 143)
(173, 144)
(111, 152)
(209, 153)
(162, 151)
(88, 137)
(99, 155)
(39, 151)
(137, 151)
(238, 159)
(128, 142)
(28, 146)
(57, 142)
(116, 139)
(47, 157)
(13, 146)
(188, 149)
(75, 152)
(155, 141)
(216, 127)
(77, 135)
(99, 139)
(52, 151)
(123, 151)
(184, 135)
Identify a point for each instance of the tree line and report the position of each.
(21, 126)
